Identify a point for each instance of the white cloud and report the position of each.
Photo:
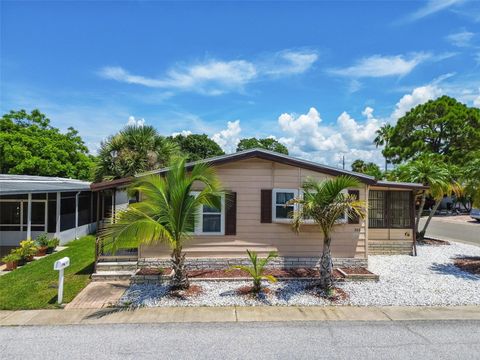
(381, 66)
(460, 39)
(359, 132)
(183, 133)
(135, 122)
(432, 7)
(418, 96)
(229, 137)
(215, 77)
(476, 102)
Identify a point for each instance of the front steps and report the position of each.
(114, 270)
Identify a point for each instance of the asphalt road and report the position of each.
(294, 340)
(468, 233)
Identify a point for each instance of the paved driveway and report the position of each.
(294, 340)
(457, 228)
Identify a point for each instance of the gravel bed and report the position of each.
(429, 279)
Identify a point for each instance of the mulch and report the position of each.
(192, 291)
(337, 295)
(433, 242)
(356, 271)
(278, 273)
(154, 271)
(470, 264)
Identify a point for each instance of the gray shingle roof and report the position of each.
(21, 184)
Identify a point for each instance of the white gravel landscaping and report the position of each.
(428, 279)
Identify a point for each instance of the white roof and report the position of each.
(22, 184)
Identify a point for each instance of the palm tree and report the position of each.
(325, 202)
(257, 269)
(135, 149)
(430, 171)
(167, 212)
(384, 134)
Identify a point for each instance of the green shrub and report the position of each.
(27, 249)
(13, 256)
(256, 271)
(42, 240)
(53, 243)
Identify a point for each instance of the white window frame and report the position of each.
(274, 204)
(343, 220)
(199, 220)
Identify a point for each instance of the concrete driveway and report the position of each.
(457, 228)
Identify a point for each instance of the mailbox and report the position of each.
(61, 264)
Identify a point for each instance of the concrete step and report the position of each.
(117, 275)
(116, 265)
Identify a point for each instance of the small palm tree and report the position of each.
(384, 134)
(257, 270)
(167, 212)
(325, 202)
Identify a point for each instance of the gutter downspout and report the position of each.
(76, 214)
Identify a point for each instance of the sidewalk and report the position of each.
(234, 314)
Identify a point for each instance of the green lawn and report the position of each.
(34, 286)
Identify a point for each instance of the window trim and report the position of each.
(198, 230)
(274, 204)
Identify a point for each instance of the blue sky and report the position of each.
(319, 76)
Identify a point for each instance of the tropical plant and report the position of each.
(428, 170)
(382, 138)
(52, 244)
(42, 240)
(30, 145)
(257, 269)
(167, 212)
(12, 257)
(325, 202)
(196, 146)
(267, 144)
(135, 149)
(27, 249)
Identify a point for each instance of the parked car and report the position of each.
(475, 214)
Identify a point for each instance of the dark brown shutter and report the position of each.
(231, 213)
(354, 219)
(266, 206)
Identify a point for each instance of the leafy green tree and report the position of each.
(29, 145)
(443, 126)
(196, 146)
(133, 150)
(369, 168)
(166, 214)
(383, 136)
(470, 180)
(267, 143)
(428, 170)
(325, 202)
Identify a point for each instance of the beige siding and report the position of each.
(247, 178)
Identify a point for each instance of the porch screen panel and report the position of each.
(84, 208)
(38, 215)
(67, 211)
(377, 217)
(10, 215)
(400, 210)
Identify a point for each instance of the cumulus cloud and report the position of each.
(460, 39)
(359, 132)
(381, 66)
(418, 96)
(229, 138)
(183, 133)
(132, 121)
(215, 77)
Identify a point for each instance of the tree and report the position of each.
(443, 126)
(29, 145)
(267, 143)
(384, 134)
(428, 170)
(257, 269)
(325, 202)
(133, 150)
(196, 146)
(167, 213)
(470, 179)
(369, 168)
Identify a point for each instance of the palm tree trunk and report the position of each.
(432, 212)
(420, 210)
(179, 279)
(386, 164)
(326, 265)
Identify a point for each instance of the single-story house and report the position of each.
(31, 205)
(259, 183)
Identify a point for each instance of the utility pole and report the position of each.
(343, 162)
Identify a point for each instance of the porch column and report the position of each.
(76, 214)
(29, 217)
(57, 215)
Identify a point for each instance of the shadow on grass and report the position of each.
(87, 270)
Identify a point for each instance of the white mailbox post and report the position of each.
(60, 265)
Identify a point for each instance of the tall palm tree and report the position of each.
(384, 134)
(135, 149)
(166, 213)
(325, 202)
(430, 171)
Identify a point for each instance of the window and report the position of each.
(14, 214)
(389, 209)
(280, 197)
(211, 221)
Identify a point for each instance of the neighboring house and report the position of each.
(31, 205)
(253, 215)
